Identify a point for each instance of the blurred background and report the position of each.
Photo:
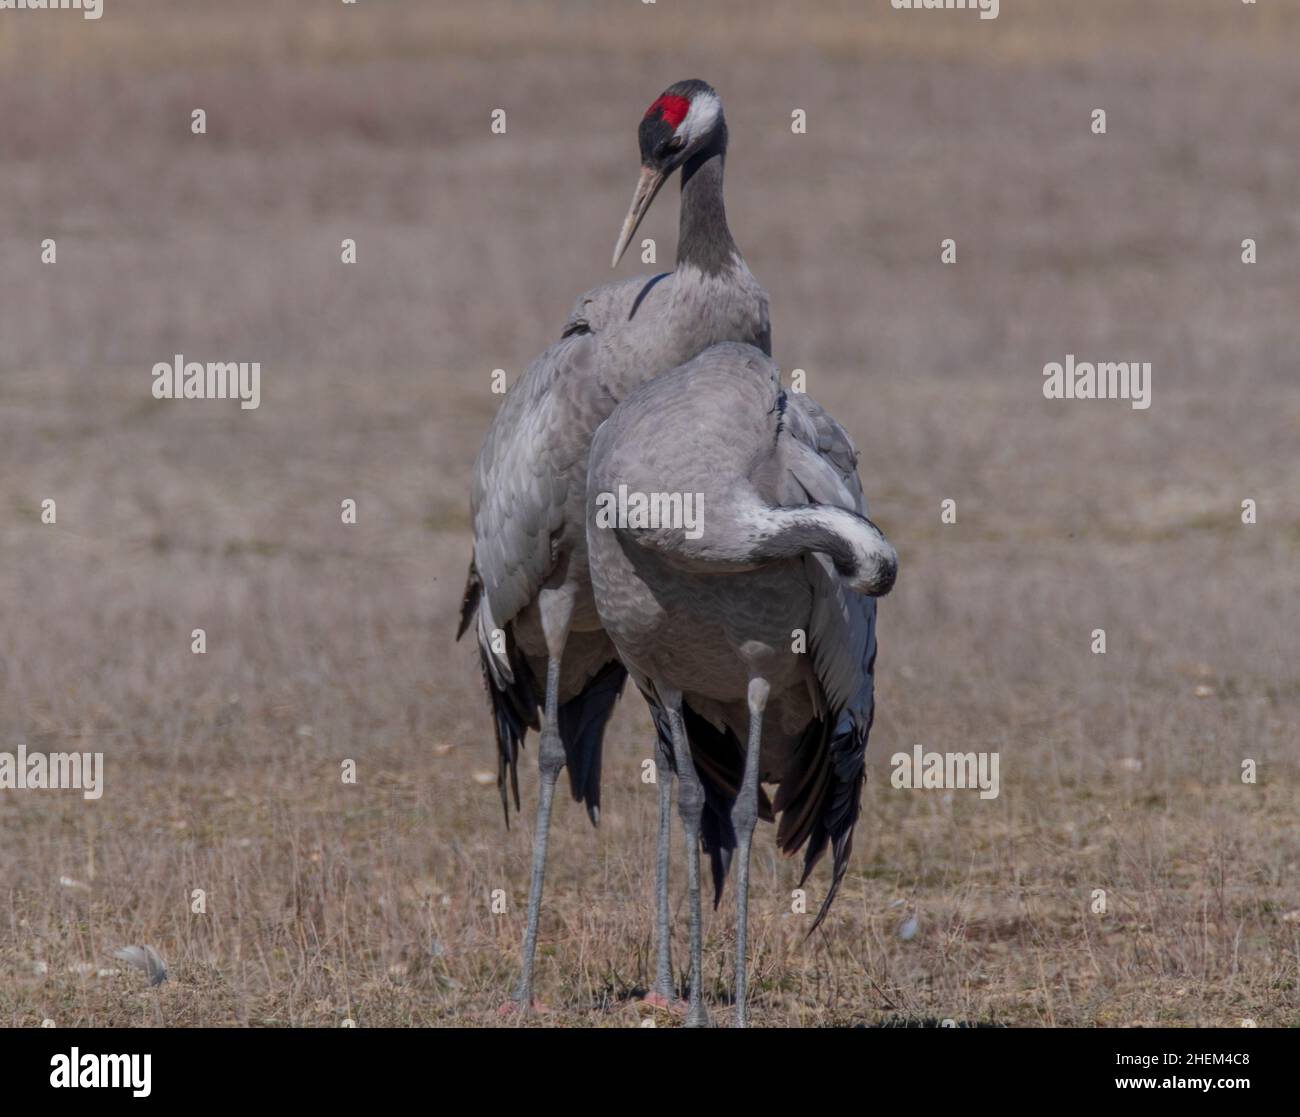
(328, 642)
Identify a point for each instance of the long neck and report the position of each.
(703, 240)
(746, 533)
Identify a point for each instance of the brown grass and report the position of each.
(326, 642)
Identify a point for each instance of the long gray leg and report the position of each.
(557, 611)
(664, 968)
(744, 817)
(690, 805)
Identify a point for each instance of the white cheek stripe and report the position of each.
(702, 116)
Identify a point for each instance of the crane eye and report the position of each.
(668, 147)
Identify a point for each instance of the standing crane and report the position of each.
(546, 663)
(708, 619)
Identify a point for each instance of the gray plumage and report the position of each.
(546, 663)
(145, 959)
(707, 627)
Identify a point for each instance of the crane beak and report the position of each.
(647, 187)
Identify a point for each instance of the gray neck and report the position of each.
(703, 240)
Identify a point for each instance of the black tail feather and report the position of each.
(517, 707)
(469, 603)
(582, 729)
(842, 805)
(720, 763)
(819, 808)
(514, 712)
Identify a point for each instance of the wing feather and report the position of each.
(823, 801)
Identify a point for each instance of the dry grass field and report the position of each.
(326, 642)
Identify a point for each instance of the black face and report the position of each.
(659, 147)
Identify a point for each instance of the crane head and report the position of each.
(684, 119)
